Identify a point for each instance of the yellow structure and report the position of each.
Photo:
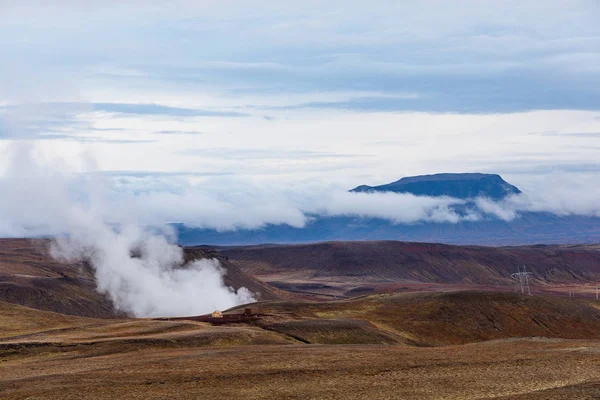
(217, 314)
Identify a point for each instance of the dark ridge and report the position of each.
(462, 186)
(392, 261)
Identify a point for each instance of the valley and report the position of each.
(369, 319)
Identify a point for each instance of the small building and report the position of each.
(217, 314)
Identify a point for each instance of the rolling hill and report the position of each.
(404, 344)
(432, 319)
(340, 268)
(30, 277)
(419, 346)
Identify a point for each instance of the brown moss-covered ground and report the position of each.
(519, 369)
(433, 319)
(380, 347)
(401, 344)
(348, 269)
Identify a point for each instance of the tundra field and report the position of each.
(458, 339)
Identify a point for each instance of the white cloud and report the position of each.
(397, 208)
(40, 197)
(561, 194)
(324, 84)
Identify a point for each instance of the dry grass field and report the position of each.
(381, 347)
(59, 339)
(149, 368)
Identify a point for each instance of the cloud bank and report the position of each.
(40, 201)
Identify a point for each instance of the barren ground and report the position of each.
(286, 356)
(402, 340)
(525, 369)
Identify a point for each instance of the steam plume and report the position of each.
(140, 271)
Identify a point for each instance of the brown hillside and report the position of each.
(30, 277)
(433, 319)
(391, 261)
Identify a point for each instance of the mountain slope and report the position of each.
(527, 228)
(31, 278)
(461, 186)
(392, 261)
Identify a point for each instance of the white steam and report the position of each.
(151, 283)
(140, 271)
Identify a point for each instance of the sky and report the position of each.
(273, 101)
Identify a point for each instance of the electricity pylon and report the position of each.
(522, 276)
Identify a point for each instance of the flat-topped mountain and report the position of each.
(461, 186)
(530, 227)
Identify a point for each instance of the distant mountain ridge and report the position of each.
(528, 228)
(460, 185)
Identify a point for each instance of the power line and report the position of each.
(522, 277)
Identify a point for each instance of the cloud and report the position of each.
(467, 57)
(215, 203)
(179, 132)
(162, 110)
(225, 202)
(77, 138)
(504, 210)
(140, 271)
(507, 97)
(394, 207)
(335, 81)
(28, 120)
(67, 121)
(229, 153)
(158, 174)
(561, 194)
(584, 135)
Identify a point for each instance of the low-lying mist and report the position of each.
(137, 268)
(33, 185)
